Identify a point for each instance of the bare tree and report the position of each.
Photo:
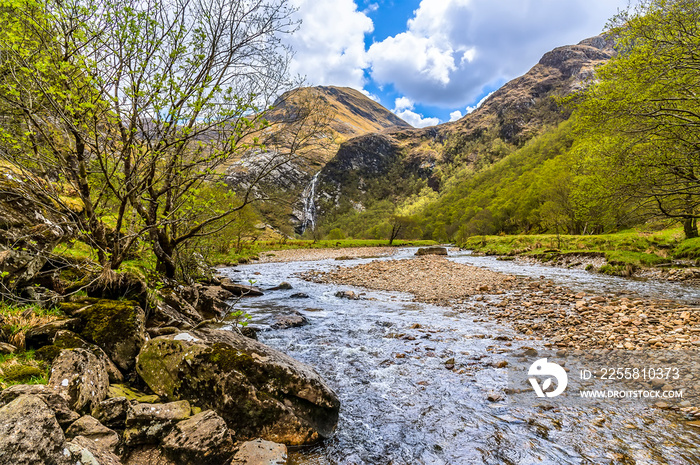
(138, 106)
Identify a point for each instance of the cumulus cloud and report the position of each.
(455, 115)
(329, 45)
(403, 108)
(453, 50)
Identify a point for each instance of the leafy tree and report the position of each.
(640, 122)
(136, 106)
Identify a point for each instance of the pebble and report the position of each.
(563, 320)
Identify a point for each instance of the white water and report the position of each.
(308, 218)
(411, 410)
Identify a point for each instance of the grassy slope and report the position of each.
(637, 248)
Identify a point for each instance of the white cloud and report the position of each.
(455, 49)
(408, 54)
(403, 108)
(369, 95)
(329, 45)
(455, 115)
(371, 8)
(403, 103)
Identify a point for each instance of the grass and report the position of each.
(17, 319)
(636, 248)
(689, 248)
(22, 367)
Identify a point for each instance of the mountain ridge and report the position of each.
(515, 113)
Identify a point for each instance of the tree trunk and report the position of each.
(395, 229)
(165, 254)
(690, 227)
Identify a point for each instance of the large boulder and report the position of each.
(117, 326)
(203, 439)
(30, 434)
(149, 423)
(260, 452)
(31, 225)
(57, 400)
(82, 377)
(213, 301)
(69, 340)
(259, 391)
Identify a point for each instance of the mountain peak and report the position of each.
(354, 113)
(523, 105)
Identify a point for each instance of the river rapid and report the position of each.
(387, 357)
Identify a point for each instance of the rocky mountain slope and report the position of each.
(515, 113)
(308, 125)
(353, 113)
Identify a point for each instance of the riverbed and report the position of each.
(416, 379)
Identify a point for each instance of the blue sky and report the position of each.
(431, 61)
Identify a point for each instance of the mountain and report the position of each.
(354, 114)
(315, 121)
(396, 164)
(520, 108)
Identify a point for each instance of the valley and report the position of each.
(205, 258)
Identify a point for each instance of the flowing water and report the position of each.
(308, 197)
(385, 357)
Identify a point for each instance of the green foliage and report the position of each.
(135, 112)
(639, 125)
(689, 248)
(335, 234)
(537, 188)
(22, 368)
(623, 251)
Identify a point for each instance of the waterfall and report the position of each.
(308, 217)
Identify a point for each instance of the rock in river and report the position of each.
(431, 251)
(257, 390)
(293, 320)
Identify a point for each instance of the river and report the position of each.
(385, 356)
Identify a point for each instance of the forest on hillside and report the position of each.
(627, 155)
(125, 121)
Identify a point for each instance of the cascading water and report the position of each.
(308, 218)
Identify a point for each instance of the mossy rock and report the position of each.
(69, 308)
(47, 353)
(258, 391)
(21, 373)
(123, 390)
(118, 327)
